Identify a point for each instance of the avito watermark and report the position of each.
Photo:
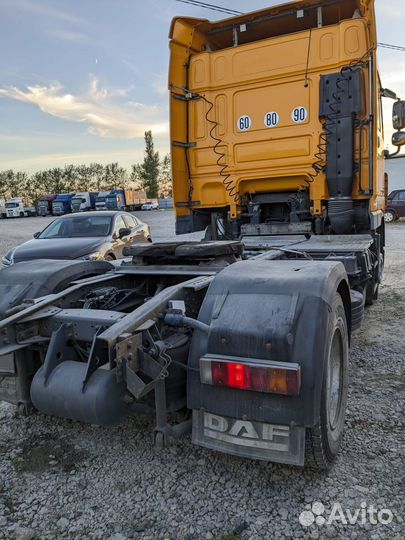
(319, 515)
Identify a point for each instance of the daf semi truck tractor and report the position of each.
(277, 151)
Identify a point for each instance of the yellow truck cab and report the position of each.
(276, 121)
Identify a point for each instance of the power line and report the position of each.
(221, 9)
(393, 47)
(212, 7)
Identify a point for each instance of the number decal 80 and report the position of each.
(271, 119)
(299, 115)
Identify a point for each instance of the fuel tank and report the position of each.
(100, 401)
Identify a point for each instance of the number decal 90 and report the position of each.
(299, 115)
(271, 119)
(244, 123)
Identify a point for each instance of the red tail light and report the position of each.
(219, 373)
(264, 376)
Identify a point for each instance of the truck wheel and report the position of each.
(21, 214)
(323, 440)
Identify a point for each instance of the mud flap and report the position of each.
(250, 439)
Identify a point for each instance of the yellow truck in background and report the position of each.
(277, 153)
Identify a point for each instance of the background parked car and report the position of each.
(151, 205)
(395, 206)
(90, 235)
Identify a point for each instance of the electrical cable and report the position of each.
(228, 11)
(319, 164)
(308, 53)
(212, 7)
(389, 46)
(230, 187)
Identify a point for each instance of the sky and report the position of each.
(81, 80)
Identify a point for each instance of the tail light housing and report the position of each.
(256, 375)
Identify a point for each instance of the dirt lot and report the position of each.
(61, 479)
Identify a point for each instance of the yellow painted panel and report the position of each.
(263, 151)
(220, 68)
(205, 157)
(352, 40)
(330, 47)
(268, 57)
(281, 98)
(221, 114)
(198, 71)
(326, 46)
(213, 192)
(200, 127)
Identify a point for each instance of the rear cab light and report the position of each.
(269, 376)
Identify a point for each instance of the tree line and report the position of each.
(152, 175)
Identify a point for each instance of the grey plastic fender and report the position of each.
(33, 279)
(275, 310)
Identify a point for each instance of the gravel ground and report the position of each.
(61, 479)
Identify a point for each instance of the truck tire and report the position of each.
(323, 440)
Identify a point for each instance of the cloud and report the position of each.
(42, 9)
(104, 112)
(66, 35)
(394, 9)
(6, 137)
(160, 85)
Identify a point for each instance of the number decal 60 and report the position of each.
(244, 123)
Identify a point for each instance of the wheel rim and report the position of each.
(335, 380)
(388, 217)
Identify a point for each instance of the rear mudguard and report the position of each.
(33, 279)
(275, 310)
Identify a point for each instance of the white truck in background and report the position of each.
(17, 207)
(84, 201)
